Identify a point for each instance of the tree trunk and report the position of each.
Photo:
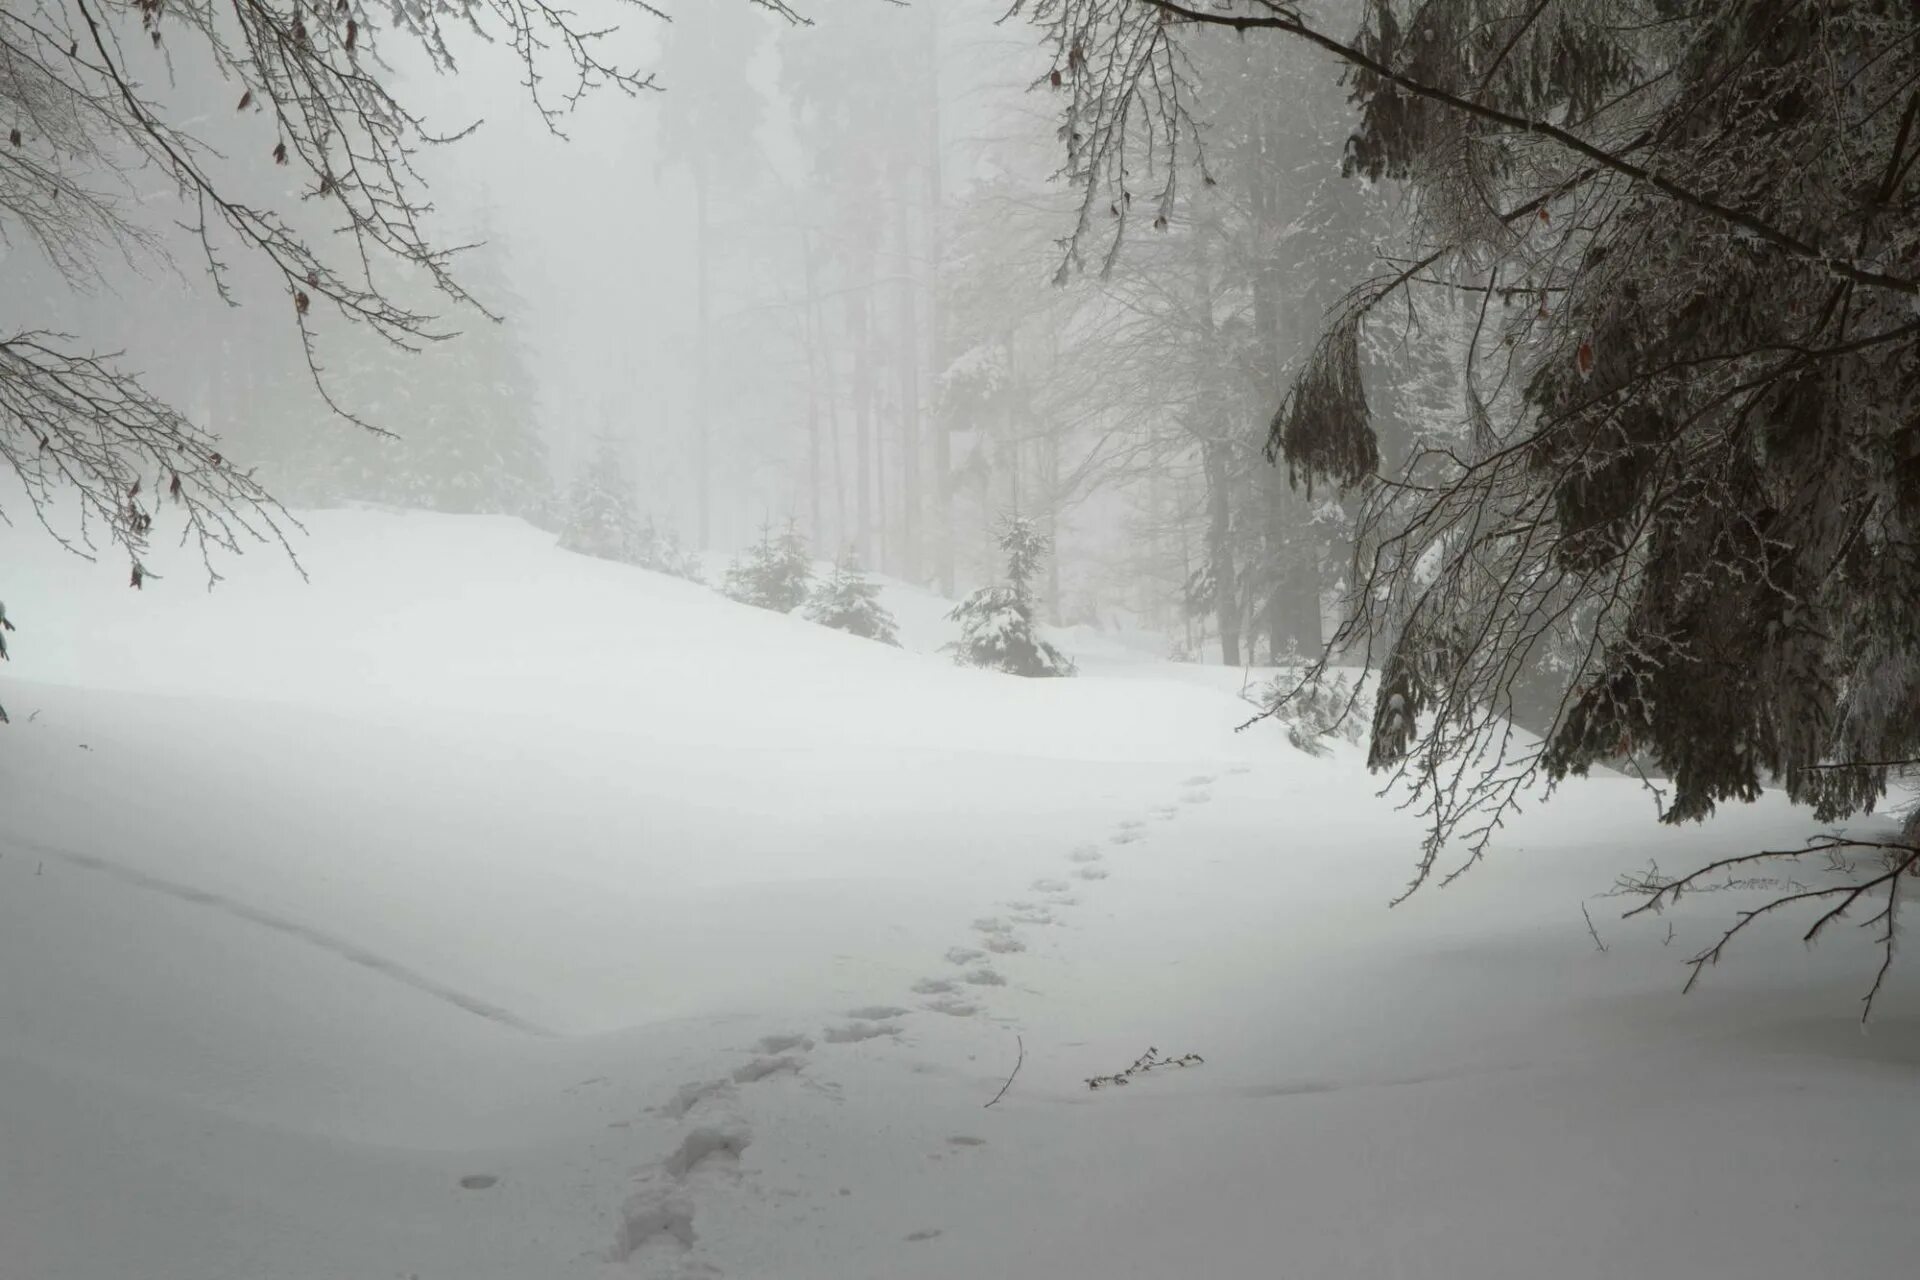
(1278, 549)
(857, 304)
(814, 530)
(837, 463)
(942, 533)
(1214, 459)
(703, 408)
(1213, 455)
(907, 349)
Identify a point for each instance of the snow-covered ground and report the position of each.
(480, 910)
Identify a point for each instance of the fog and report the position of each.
(1090, 638)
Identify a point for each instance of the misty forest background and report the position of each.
(824, 278)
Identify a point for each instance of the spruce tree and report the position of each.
(996, 623)
(847, 601)
(662, 552)
(458, 417)
(775, 573)
(600, 519)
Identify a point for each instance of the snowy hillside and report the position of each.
(484, 911)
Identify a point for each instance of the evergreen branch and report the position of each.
(1285, 20)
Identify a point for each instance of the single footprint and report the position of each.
(953, 1006)
(1132, 824)
(780, 1044)
(704, 1145)
(854, 1032)
(925, 1233)
(964, 955)
(761, 1068)
(984, 977)
(1019, 904)
(692, 1094)
(651, 1216)
(1165, 811)
(876, 1012)
(1035, 916)
(1092, 873)
(1125, 837)
(481, 1181)
(992, 924)
(1196, 797)
(1240, 768)
(1006, 943)
(962, 1140)
(932, 987)
(1064, 900)
(1198, 780)
(1046, 884)
(1085, 853)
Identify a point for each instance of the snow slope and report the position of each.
(480, 911)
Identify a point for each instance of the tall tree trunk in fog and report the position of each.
(1291, 608)
(907, 353)
(829, 391)
(858, 325)
(703, 394)
(936, 339)
(1270, 495)
(881, 525)
(1050, 476)
(1214, 458)
(1186, 557)
(812, 330)
(1215, 451)
(1052, 473)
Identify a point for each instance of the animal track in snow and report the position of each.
(1127, 836)
(479, 1181)
(984, 978)
(855, 1032)
(1196, 797)
(662, 1216)
(992, 925)
(964, 955)
(953, 1006)
(1239, 768)
(925, 1233)
(1198, 780)
(761, 1068)
(1047, 884)
(962, 1140)
(876, 1012)
(651, 1217)
(1063, 900)
(1035, 916)
(1085, 853)
(1165, 811)
(1005, 944)
(932, 987)
(692, 1094)
(702, 1145)
(1132, 824)
(780, 1044)
(1092, 873)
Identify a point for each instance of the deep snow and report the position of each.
(481, 910)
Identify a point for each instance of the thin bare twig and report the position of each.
(1011, 1074)
(1594, 933)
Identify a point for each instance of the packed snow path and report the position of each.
(482, 911)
